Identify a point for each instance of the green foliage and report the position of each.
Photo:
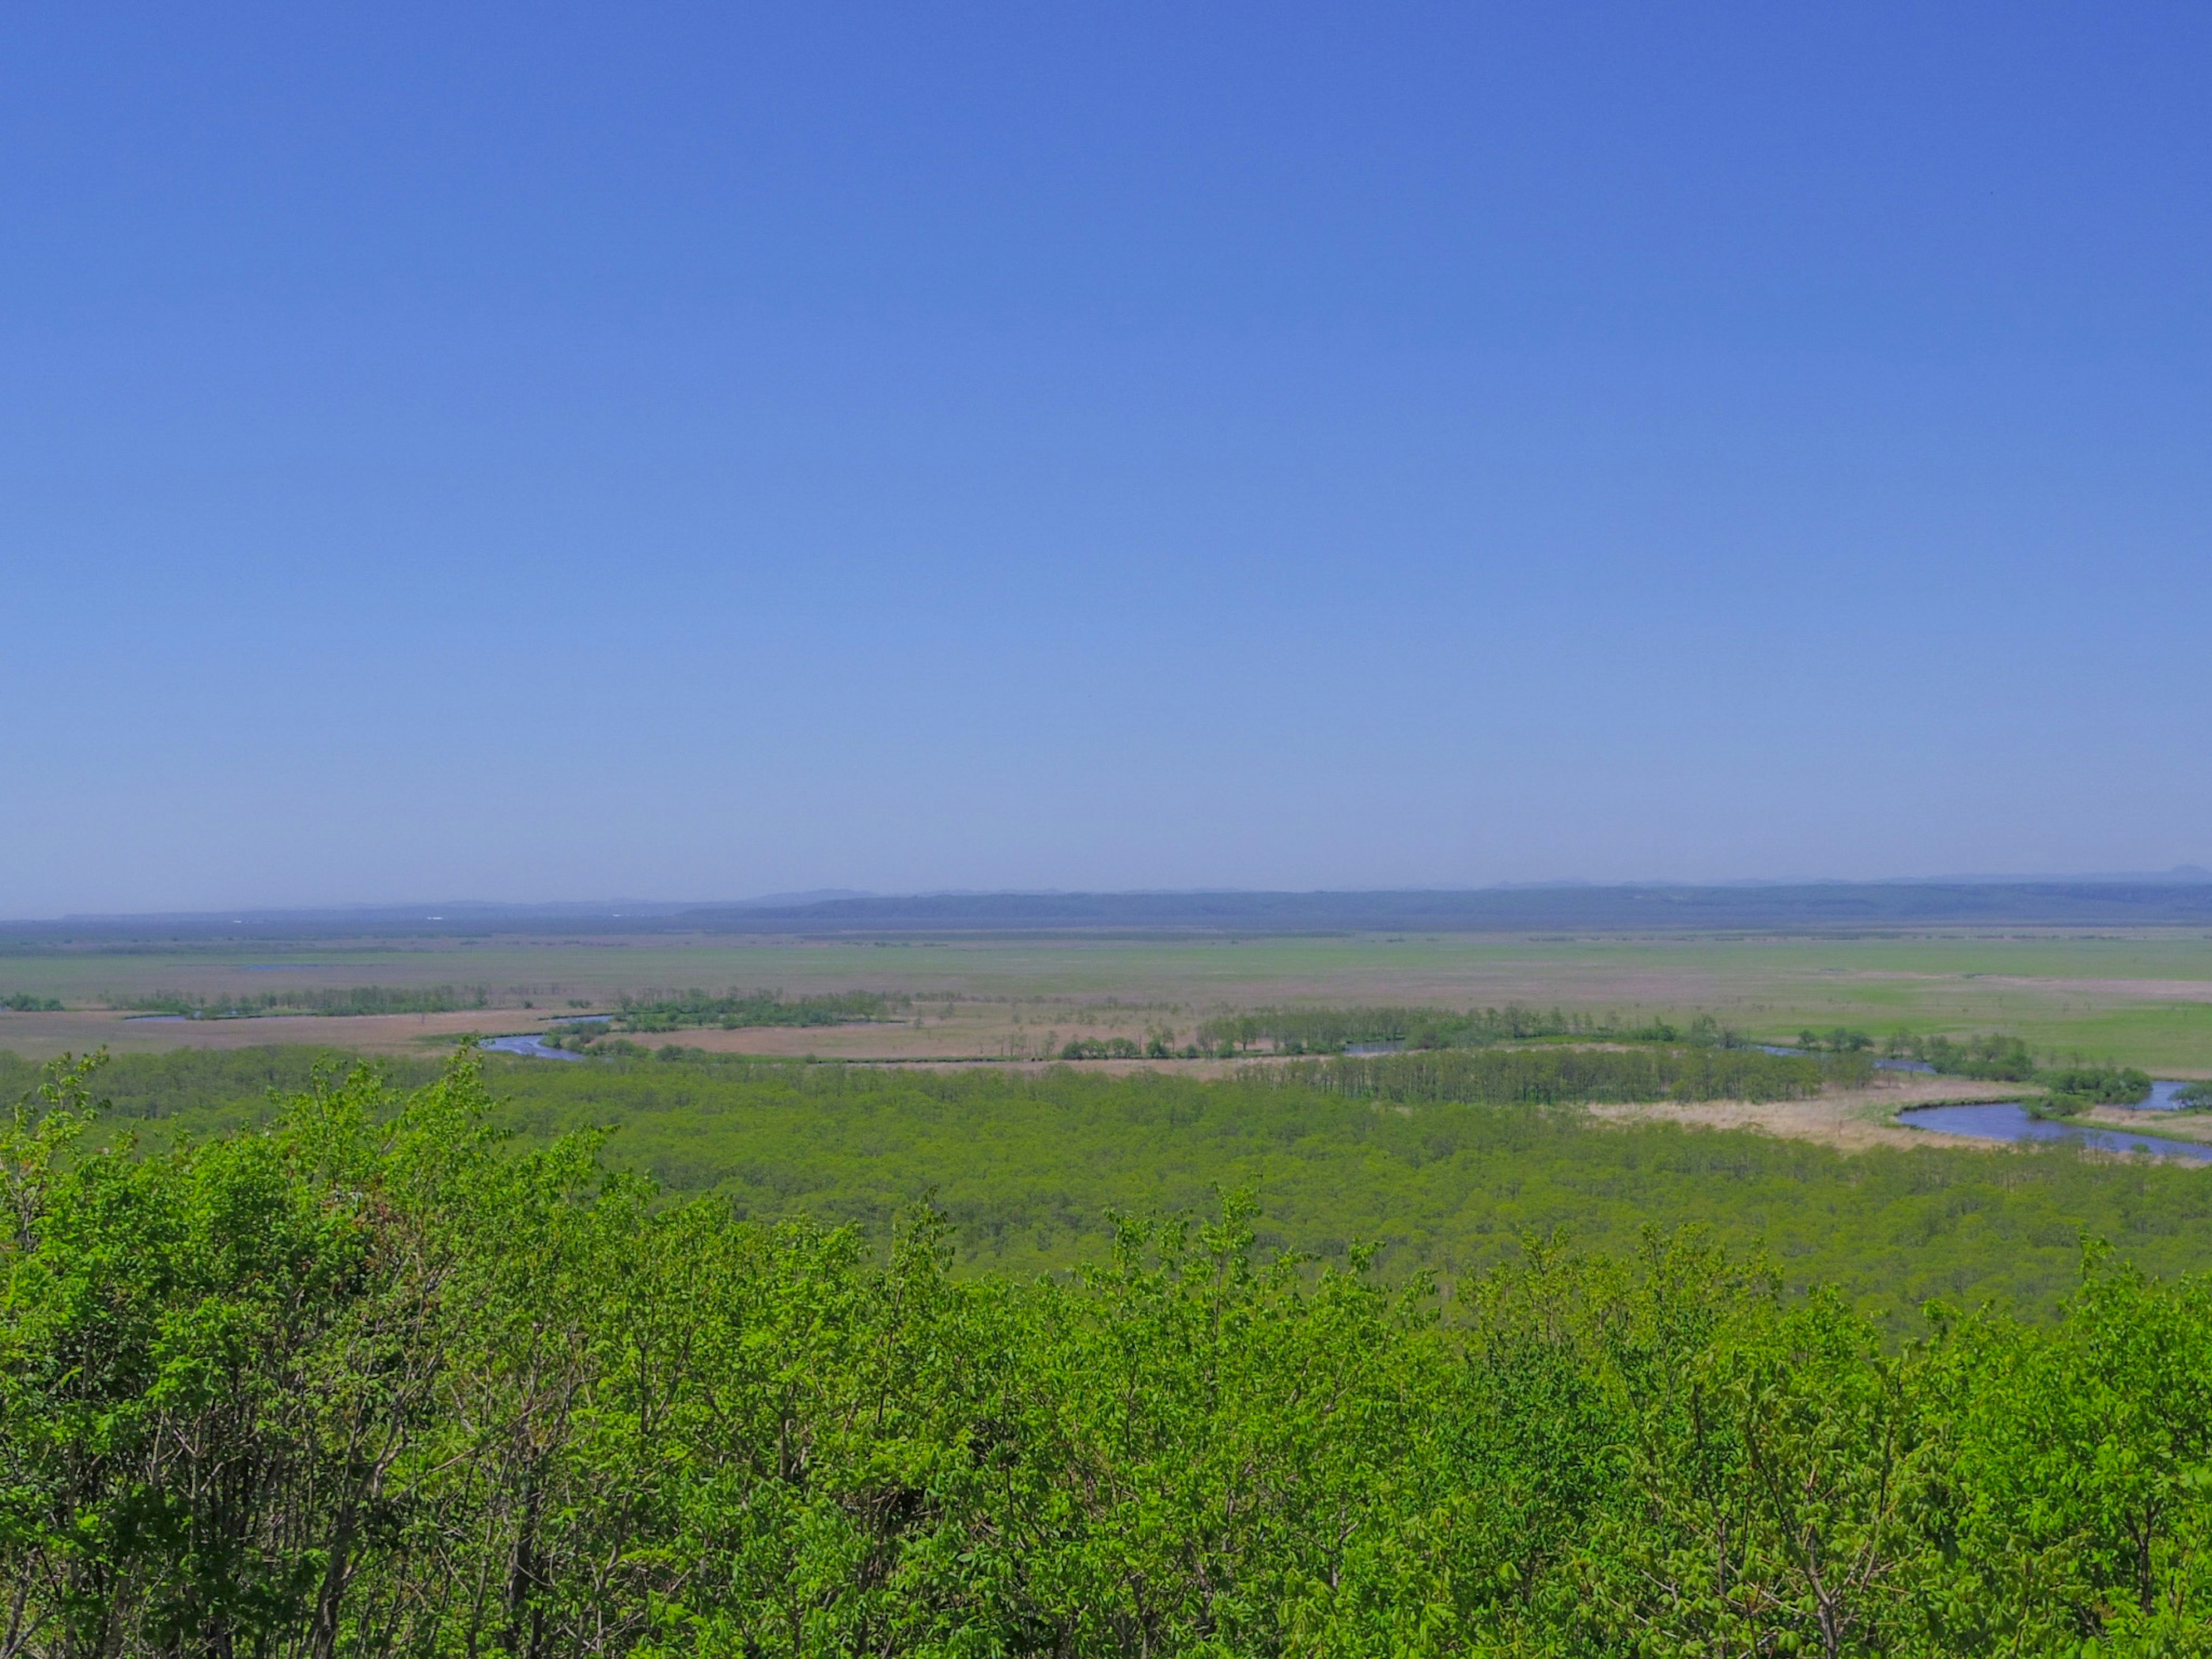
(1026, 1164)
(1995, 1057)
(578, 1037)
(2075, 1089)
(318, 1000)
(370, 1381)
(591, 1036)
(22, 1002)
(1706, 1032)
(1104, 1049)
(693, 1010)
(2197, 1097)
(1837, 1039)
(202, 1091)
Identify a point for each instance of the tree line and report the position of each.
(1330, 1030)
(1992, 1056)
(351, 1000)
(676, 1010)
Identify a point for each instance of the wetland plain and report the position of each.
(2135, 996)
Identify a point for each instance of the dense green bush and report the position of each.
(2100, 1085)
(206, 1090)
(2075, 1089)
(1993, 1056)
(369, 1381)
(1103, 1049)
(1837, 1040)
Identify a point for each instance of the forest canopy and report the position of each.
(369, 1379)
(1026, 1165)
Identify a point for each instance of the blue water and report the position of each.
(525, 1044)
(2008, 1121)
(2162, 1097)
(1375, 1047)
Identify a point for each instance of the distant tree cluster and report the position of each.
(22, 1002)
(1703, 1031)
(1837, 1040)
(734, 1011)
(592, 1037)
(317, 1000)
(2074, 1090)
(2102, 1085)
(1994, 1057)
(2071, 1088)
(1119, 1047)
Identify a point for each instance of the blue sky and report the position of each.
(547, 452)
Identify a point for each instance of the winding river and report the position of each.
(2009, 1120)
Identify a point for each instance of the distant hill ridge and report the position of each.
(2177, 900)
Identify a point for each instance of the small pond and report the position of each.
(2009, 1120)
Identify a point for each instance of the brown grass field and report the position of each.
(1852, 1119)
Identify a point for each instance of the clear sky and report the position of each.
(553, 452)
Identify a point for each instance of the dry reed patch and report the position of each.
(2172, 1125)
(1851, 1120)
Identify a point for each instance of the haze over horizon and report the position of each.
(535, 454)
(2187, 875)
